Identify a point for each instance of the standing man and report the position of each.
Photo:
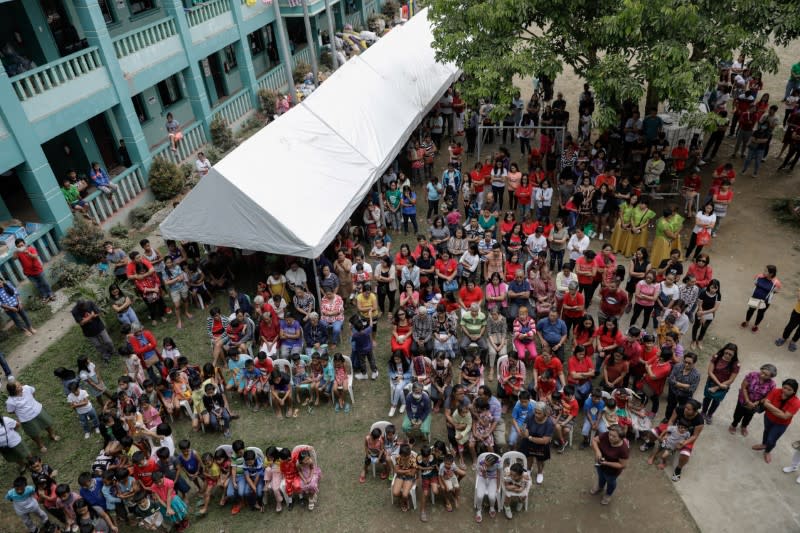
(552, 331)
(87, 315)
(794, 81)
(33, 269)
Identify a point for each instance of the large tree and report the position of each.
(626, 49)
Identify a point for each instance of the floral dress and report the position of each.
(481, 428)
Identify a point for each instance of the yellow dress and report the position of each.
(635, 241)
(663, 245)
(619, 236)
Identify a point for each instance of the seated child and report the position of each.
(516, 482)
(462, 417)
(301, 379)
(471, 375)
(405, 467)
(545, 386)
(148, 513)
(566, 420)
(309, 474)
(252, 490)
(317, 376)
(211, 478)
(429, 475)
(482, 429)
(449, 474)
(251, 380)
(671, 439)
(374, 453)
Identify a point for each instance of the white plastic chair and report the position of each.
(382, 426)
(479, 504)
(429, 366)
(296, 450)
(508, 459)
(501, 359)
(227, 448)
(258, 451)
(413, 493)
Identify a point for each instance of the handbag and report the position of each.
(756, 303)
(450, 285)
(703, 237)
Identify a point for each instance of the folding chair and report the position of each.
(295, 451)
(413, 493)
(479, 504)
(227, 448)
(284, 366)
(382, 426)
(348, 366)
(508, 459)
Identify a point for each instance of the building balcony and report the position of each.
(209, 20)
(130, 185)
(65, 92)
(146, 53)
(46, 243)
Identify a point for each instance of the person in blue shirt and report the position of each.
(435, 190)
(592, 409)
(408, 207)
(451, 182)
(25, 504)
(418, 412)
(522, 411)
(361, 339)
(553, 332)
(92, 490)
(253, 487)
(100, 179)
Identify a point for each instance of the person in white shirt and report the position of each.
(296, 276)
(536, 241)
(202, 165)
(359, 260)
(78, 399)
(576, 245)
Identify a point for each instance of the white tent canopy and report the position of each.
(290, 187)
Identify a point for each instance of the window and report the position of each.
(107, 11)
(230, 57)
(140, 108)
(138, 7)
(256, 42)
(169, 91)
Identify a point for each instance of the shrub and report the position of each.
(221, 134)
(187, 169)
(787, 210)
(166, 179)
(267, 99)
(119, 230)
(69, 274)
(141, 215)
(84, 241)
(326, 60)
(213, 155)
(300, 71)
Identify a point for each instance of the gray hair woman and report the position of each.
(611, 457)
(535, 439)
(755, 387)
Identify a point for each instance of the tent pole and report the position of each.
(380, 203)
(316, 275)
(480, 142)
(311, 42)
(331, 34)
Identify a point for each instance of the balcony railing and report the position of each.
(274, 80)
(235, 107)
(141, 38)
(370, 8)
(252, 10)
(302, 56)
(354, 19)
(194, 138)
(42, 79)
(207, 11)
(129, 184)
(44, 240)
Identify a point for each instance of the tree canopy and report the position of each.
(623, 48)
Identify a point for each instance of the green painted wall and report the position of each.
(125, 22)
(59, 161)
(14, 19)
(153, 127)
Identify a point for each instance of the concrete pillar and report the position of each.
(43, 34)
(283, 51)
(243, 57)
(35, 174)
(192, 77)
(84, 133)
(94, 26)
(5, 214)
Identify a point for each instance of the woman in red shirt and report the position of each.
(572, 306)
(690, 190)
(446, 269)
(580, 372)
(512, 266)
(470, 294)
(509, 220)
(615, 371)
(586, 269)
(528, 224)
(524, 193)
(607, 337)
(701, 270)
(780, 405)
(401, 259)
(401, 334)
(514, 239)
(584, 335)
(656, 374)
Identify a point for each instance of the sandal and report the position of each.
(404, 507)
(448, 508)
(362, 478)
(295, 413)
(478, 518)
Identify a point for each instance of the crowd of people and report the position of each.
(517, 326)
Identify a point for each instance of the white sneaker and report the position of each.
(374, 374)
(392, 411)
(790, 469)
(539, 479)
(601, 237)
(360, 376)
(86, 435)
(402, 409)
(97, 430)
(520, 506)
(507, 511)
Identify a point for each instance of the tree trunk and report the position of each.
(651, 100)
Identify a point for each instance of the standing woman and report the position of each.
(557, 243)
(611, 453)
(513, 180)
(640, 219)
(667, 236)
(722, 371)
(709, 299)
(387, 284)
(722, 199)
(780, 405)
(701, 270)
(30, 413)
(621, 232)
(332, 314)
(766, 285)
(792, 325)
(644, 298)
(409, 209)
(440, 234)
(498, 180)
(704, 221)
(342, 267)
(524, 194)
(603, 204)
(754, 389)
(535, 439)
(640, 265)
(12, 305)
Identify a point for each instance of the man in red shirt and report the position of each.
(680, 154)
(143, 468)
(33, 269)
(747, 121)
(572, 306)
(613, 301)
(130, 269)
(546, 361)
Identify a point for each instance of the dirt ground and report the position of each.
(724, 478)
